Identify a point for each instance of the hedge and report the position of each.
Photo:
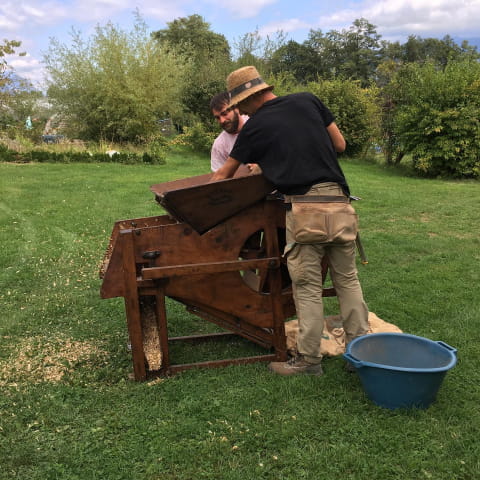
(41, 156)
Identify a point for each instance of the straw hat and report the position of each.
(243, 83)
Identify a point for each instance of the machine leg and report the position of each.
(132, 308)
(162, 327)
(275, 286)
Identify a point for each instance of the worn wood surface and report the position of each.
(203, 204)
(231, 274)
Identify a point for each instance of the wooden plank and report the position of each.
(208, 268)
(205, 205)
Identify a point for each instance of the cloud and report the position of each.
(28, 67)
(406, 17)
(16, 16)
(96, 10)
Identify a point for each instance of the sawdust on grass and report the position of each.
(40, 359)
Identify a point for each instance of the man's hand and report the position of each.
(227, 170)
(254, 168)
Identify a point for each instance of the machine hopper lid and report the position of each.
(203, 204)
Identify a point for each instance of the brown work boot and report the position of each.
(296, 365)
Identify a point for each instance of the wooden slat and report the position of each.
(208, 268)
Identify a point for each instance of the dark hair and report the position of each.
(219, 100)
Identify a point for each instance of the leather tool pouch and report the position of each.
(323, 219)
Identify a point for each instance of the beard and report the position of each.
(232, 126)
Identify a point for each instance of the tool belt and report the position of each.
(322, 219)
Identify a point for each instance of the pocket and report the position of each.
(324, 222)
(343, 225)
(310, 223)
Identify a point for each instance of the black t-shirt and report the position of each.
(288, 138)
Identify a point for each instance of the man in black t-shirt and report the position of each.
(294, 141)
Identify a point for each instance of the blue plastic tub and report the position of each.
(398, 370)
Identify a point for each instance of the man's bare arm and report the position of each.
(227, 170)
(337, 138)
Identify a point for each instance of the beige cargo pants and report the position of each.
(304, 266)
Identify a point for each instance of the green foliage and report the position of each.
(116, 85)
(193, 35)
(438, 51)
(437, 120)
(155, 156)
(255, 49)
(7, 155)
(284, 83)
(209, 63)
(354, 108)
(196, 98)
(352, 53)
(7, 47)
(19, 103)
(157, 147)
(197, 138)
(18, 98)
(301, 60)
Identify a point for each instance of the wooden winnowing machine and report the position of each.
(218, 252)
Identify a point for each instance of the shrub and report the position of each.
(44, 156)
(197, 137)
(157, 150)
(7, 155)
(355, 110)
(437, 120)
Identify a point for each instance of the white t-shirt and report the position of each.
(222, 146)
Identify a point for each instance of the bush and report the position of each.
(157, 150)
(40, 156)
(43, 156)
(437, 121)
(355, 110)
(197, 137)
(7, 155)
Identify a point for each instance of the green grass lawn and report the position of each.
(68, 409)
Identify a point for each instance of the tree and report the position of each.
(18, 98)
(299, 59)
(9, 47)
(440, 51)
(116, 85)
(353, 53)
(329, 51)
(193, 35)
(436, 118)
(391, 74)
(208, 54)
(253, 49)
(362, 51)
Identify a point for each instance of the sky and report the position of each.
(36, 22)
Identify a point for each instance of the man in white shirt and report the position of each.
(232, 122)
